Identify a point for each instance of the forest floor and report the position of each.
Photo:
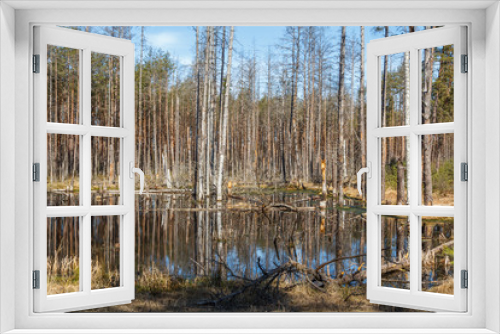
(183, 295)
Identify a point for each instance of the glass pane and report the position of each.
(437, 169)
(63, 169)
(395, 89)
(63, 85)
(105, 171)
(63, 255)
(437, 254)
(437, 84)
(105, 252)
(395, 262)
(394, 170)
(105, 89)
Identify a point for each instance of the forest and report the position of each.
(237, 132)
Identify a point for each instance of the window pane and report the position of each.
(394, 170)
(437, 254)
(105, 252)
(437, 84)
(395, 262)
(105, 89)
(105, 171)
(63, 170)
(395, 89)
(63, 85)
(438, 169)
(63, 255)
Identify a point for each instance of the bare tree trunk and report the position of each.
(362, 108)
(210, 116)
(352, 135)
(406, 155)
(383, 111)
(400, 183)
(320, 124)
(200, 193)
(177, 142)
(155, 133)
(340, 144)
(293, 122)
(223, 140)
(269, 157)
(426, 115)
(197, 170)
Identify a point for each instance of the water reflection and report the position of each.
(179, 238)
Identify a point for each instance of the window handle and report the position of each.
(368, 171)
(132, 171)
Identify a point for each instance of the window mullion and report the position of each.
(414, 169)
(86, 166)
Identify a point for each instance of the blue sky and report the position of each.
(180, 41)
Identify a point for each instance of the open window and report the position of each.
(84, 215)
(399, 232)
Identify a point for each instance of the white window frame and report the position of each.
(85, 43)
(415, 210)
(484, 103)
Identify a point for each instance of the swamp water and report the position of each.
(177, 240)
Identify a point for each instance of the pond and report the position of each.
(180, 243)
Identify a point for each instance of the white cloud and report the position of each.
(185, 60)
(163, 40)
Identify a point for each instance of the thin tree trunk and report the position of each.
(383, 111)
(293, 121)
(426, 115)
(222, 153)
(406, 155)
(203, 138)
(197, 170)
(352, 165)
(362, 108)
(269, 157)
(177, 142)
(340, 144)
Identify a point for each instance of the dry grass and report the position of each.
(157, 292)
(446, 287)
(63, 276)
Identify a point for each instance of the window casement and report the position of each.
(416, 131)
(83, 219)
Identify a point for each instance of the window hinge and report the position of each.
(36, 172)
(36, 279)
(465, 279)
(36, 63)
(465, 63)
(464, 173)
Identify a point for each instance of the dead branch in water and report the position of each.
(263, 283)
(269, 206)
